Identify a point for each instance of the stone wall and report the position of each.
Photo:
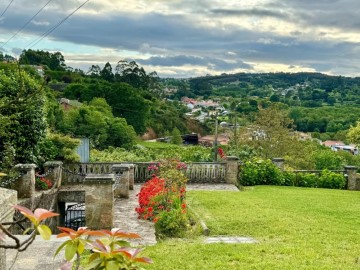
(45, 199)
(7, 198)
(98, 194)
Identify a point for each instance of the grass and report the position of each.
(297, 228)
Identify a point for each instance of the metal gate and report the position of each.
(75, 216)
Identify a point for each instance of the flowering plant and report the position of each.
(41, 183)
(162, 198)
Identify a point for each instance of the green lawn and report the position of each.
(297, 228)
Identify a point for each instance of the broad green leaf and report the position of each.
(80, 248)
(70, 251)
(61, 247)
(112, 265)
(123, 243)
(44, 231)
(94, 264)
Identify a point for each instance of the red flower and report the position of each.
(183, 206)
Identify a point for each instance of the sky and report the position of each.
(191, 38)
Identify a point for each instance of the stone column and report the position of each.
(350, 171)
(8, 197)
(232, 170)
(278, 162)
(99, 201)
(131, 176)
(25, 185)
(55, 168)
(122, 182)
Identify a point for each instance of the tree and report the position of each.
(54, 61)
(176, 136)
(22, 115)
(270, 134)
(354, 134)
(106, 73)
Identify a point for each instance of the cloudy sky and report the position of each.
(188, 38)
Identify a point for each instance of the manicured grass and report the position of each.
(297, 228)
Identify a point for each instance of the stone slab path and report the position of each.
(39, 256)
(126, 219)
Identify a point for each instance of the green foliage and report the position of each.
(96, 122)
(61, 147)
(327, 159)
(153, 152)
(171, 224)
(176, 136)
(54, 61)
(264, 172)
(22, 114)
(260, 172)
(331, 180)
(353, 134)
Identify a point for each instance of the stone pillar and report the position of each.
(350, 171)
(99, 201)
(278, 162)
(25, 185)
(131, 176)
(8, 197)
(122, 180)
(55, 176)
(232, 170)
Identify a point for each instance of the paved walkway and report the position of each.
(126, 219)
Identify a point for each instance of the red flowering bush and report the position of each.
(41, 183)
(162, 199)
(221, 153)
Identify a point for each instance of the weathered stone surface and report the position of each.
(352, 177)
(232, 169)
(26, 183)
(122, 182)
(278, 162)
(99, 201)
(55, 168)
(7, 198)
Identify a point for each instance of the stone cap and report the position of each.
(351, 168)
(25, 167)
(103, 179)
(129, 164)
(120, 168)
(53, 164)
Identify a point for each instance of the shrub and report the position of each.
(260, 172)
(332, 180)
(162, 199)
(306, 180)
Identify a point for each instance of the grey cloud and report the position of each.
(251, 12)
(181, 60)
